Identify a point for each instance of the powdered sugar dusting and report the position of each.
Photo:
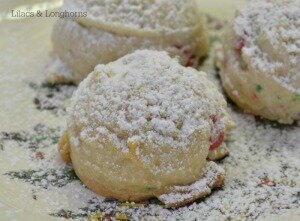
(262, 169)
(200, 188)
(146, 97)
(161, 16)
(262, 177)
(270, 31)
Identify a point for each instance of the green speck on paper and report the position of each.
(258, 88)
(68, 214)
(62, 176)
(296, 97)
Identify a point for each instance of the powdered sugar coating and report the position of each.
(146, 97)
(212, 172)
(155, 16)
(270, 31)
(112, 29)
(261, 58)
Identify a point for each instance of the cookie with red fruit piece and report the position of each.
(260, 59)
(108, 30)
(143, 126)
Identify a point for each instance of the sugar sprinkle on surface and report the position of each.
(262, 175)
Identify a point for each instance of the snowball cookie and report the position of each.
(260, 64)
(142, 126)
(113, 29)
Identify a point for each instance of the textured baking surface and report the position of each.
(262, 171)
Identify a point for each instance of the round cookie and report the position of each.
(113, 29)
(143, 126)
(260, 60)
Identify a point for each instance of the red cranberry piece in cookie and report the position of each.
(217, 142)
(191, 61)
(240, 45)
